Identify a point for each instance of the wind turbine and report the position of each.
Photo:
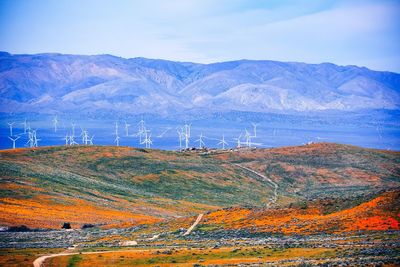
(25, 126)
(127, 128)
(55, 123)
(147, 141)
(66, 138)
(223, 142)
(180, 138)
(72, 136)
(35, 139)
(91, 140)
(116, 128)
(85, 137)
(10, 124)
(201, 142)
(117, 140)
(31, 142)
(248, 138)
(13, 140)
(142, 130)
(254, 129)
(186, 134)
(238, 142)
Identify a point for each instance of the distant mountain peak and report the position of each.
(46, 82)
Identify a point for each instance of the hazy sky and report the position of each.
(365, 33)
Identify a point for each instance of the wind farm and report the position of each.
(199, 133)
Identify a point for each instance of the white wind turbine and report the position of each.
(147, 140)
(72, 136)
(55, 123)
(66, 138)
(238, 142)
(10, 124)
(25, 126)
(91, 140)
(223, 142)
(13, 140)
(248, 136)
(85, 137)
(127, 128)
(142, 130)
(186, 134)
(33, 139)
(200, 141)
(117, 140)
(31, 142)
(116, 134)
(254, 129)
(180, 138)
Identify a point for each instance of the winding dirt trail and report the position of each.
(190, 229)
(274, 185)
(39, 261)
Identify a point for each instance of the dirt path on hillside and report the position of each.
(190, 229)
(274, 185)
(39, 261)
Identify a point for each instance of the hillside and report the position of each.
(48, 83)
(376, 212)
(126, 186)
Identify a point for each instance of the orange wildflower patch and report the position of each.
(371, 215)
(47, 212)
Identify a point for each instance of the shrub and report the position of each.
(22, 228)
(87, 225)
(66, 225)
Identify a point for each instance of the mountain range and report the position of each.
(59, 83)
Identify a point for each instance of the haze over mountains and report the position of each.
(49, 83)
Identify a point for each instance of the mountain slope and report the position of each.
(49, 83)
(125, 186)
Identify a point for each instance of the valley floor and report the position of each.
(358, 249)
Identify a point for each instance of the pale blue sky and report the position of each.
(365, 33)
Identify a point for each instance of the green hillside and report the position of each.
(126, 186)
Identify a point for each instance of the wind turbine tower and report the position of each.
(223, 142)
(180, 136)
(10, 124)
(85, 137)
(117, 140)
(248, 138)
(201, 142)
(72, 136)
(238, 142)
(186, 134)
(55, 123)
(31, 142)
(147, 140)
(25, 126)
(142, 130)
(91, 140)
(255, 129)
(127, 128)
(13, 140)
(66, 138)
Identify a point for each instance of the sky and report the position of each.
(344, 32)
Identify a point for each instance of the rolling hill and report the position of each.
(122, 186)
(57, 83)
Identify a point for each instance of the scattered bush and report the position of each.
(22, 228)
(66, 225)
(87, 225)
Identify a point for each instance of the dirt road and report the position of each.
(273, 184)
(190, 229)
